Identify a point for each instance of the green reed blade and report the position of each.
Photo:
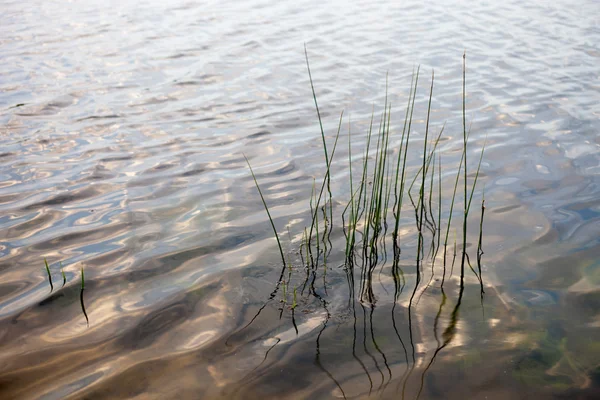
(431, 193)
(328, 177)
(479, 244)
(388, 185)
(422, 191)
(87, 320)
(403, 176)
(316, 105)
(49, 275)
(476, 174)
(327, 173)
(294, 302)
(351, 221)
(439, 232)
(428, 163)
(462, 157)
(363, 186)
(62, 272)
(454, 255)
(266, 209)
(466, 211)
(316, 223)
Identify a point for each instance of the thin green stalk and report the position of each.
(431, 207)
(403, 177)
(454, 255)
(380, 178)
(348, 238)
(375, 186)
(422, 191)
(383, 153)
(87, 320)
(428, 163)
(363, 186)
(385, 187)
(294, 302)
(376, 182)
(388, 185)
(439, 236)
(476, 174)
(480, 243)
(369, 210)
(316, 222)
(62, 272)
(267, 210)
(466, 210)
(436, 232)
(328, 177)
(469, 208)
(316, 105)
(49, 275)
(364, 194)
(307, 248)
(325, 178)
(462, 157)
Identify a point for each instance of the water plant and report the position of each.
(62, 272)
(480, 242)
(386, 175)
(364, 217)
(87, 320)
(49, 274)
(268, 213)
(64, 278)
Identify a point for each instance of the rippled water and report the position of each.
(122, 140)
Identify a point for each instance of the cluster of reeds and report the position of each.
(378, 217)
(372, 221)
(377, 201)
(64, 282)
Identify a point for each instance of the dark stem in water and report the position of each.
(466, 210)
(81, 298)
(49, 275)
(269, 215)
(479, 245)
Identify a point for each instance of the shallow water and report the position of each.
(123, 133)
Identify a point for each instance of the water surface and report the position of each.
(124, 129)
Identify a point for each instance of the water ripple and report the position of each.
(123, 134)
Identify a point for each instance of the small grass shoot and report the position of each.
(49, 275)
